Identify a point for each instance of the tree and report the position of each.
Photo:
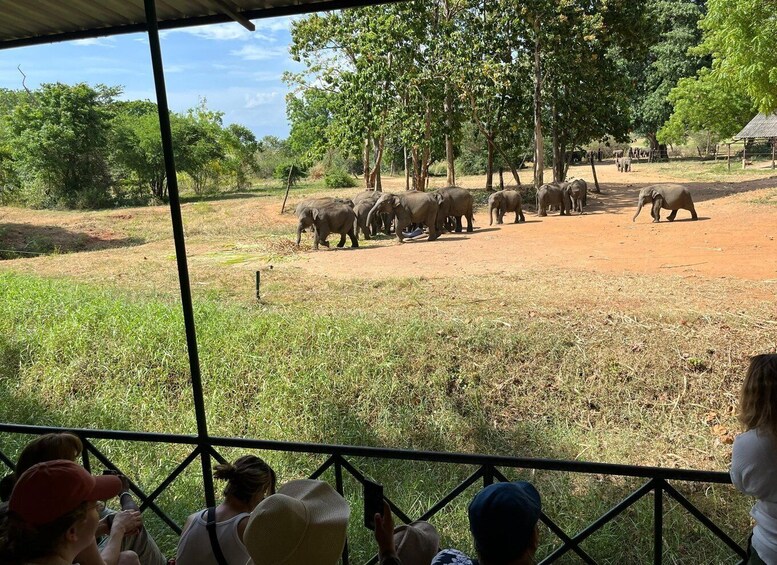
(240, 148)
(741, 36)
(59, 144)
(707, 103)
(672, 31)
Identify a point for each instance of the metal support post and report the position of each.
(180, 247)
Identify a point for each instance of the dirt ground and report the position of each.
(734, 237)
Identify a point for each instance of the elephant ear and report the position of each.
(438, 197)
(315, 214)
(395, 201)
(654, 194)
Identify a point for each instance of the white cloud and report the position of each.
(260, 99)
(259, 53)
(101, 41)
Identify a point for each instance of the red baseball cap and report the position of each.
(50, 490)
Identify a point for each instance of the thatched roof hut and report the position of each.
(760, 127)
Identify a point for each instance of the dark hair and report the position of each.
(758, 400)
(47, 447)
(21, 542)
(245, 477)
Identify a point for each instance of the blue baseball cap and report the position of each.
(502, 518)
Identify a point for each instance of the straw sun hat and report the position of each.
(303, 523)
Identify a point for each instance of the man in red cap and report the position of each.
(52, 513)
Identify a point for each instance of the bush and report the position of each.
(338, 178)
(438, 169)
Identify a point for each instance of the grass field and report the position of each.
(541, 361)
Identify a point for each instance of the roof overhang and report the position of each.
(32, 22)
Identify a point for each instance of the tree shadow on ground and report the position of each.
(29, 240)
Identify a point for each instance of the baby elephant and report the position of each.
(504, 201)
(578, 194)
(668, 196)
(332, 217)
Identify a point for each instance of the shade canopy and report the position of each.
(30, 22)
(760, 127)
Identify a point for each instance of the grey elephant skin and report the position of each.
(578, 194)
(410, 208)
(363, 203)
(455, 203)
(553, 194)
(672, 197)
(504, 201)
(328, 218)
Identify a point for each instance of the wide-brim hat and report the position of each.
(305, 522)
(47, 491)
(417, 543)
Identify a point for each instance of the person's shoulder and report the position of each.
(452, 557)
(755, 442)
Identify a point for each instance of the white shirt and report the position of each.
(754, 472)
(195, 547)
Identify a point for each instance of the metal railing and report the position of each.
(486, 470)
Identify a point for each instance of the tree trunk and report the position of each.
(559, 153)
(407, 169)
(490, 168)
(375, 172)
(539, 148)
(449, 153)
(651, 136)
(366, 162)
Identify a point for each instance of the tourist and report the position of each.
(754, 455)
(249, 480)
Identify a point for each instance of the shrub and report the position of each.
(288, 172)
(338, 178)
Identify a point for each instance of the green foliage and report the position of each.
(338, 178)
(741, 36)
(274, 152)
(706, 103)
(59, 145)
(672, 31)
(241, 147)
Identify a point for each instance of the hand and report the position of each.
(104, 526)
(126, 522)
(384, 530)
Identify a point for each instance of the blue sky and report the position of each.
(238, 72)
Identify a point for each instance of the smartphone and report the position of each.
(373, 502)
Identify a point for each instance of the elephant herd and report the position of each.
(443, 210)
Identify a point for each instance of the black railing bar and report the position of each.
(602, 520)
(339, 487)
(658, 522)
(216, 455)
(171, 477)
(324, 466)
(402, 454)
(87, 462)
(8, 463)
(151, 505)
(359, 476)
(553, 527)
(709, 524)
(448, 498)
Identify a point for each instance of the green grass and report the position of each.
(567, 385)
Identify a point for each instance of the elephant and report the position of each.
(332, 217)
(455, 202)
(381, 222)
(553, 194)
(504, 201)
(578, 194)
(410, 208)
(668, 196)
(316, 202)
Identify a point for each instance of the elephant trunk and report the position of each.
(639, 209)
(373, 210)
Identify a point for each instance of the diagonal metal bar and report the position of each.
(452, 495)
(8, 462)
(151, 505)
(322, 469)
(709, 524)
(170, 478)
(216, 455)
(606, 517)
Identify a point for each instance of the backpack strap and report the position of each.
(214, 541)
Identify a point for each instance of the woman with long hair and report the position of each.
(754, 455)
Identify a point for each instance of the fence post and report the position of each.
(728, 157)
(658, 523)
(593, 169)
(339, 487)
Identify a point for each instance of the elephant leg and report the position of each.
(433, 233)
(656, 211)
(458, 224)
(317, 239)
(341, 243)
(672, 215)
(692, 210)
(299, 234)
(470, 221)
(499, 215)
(354, 239)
